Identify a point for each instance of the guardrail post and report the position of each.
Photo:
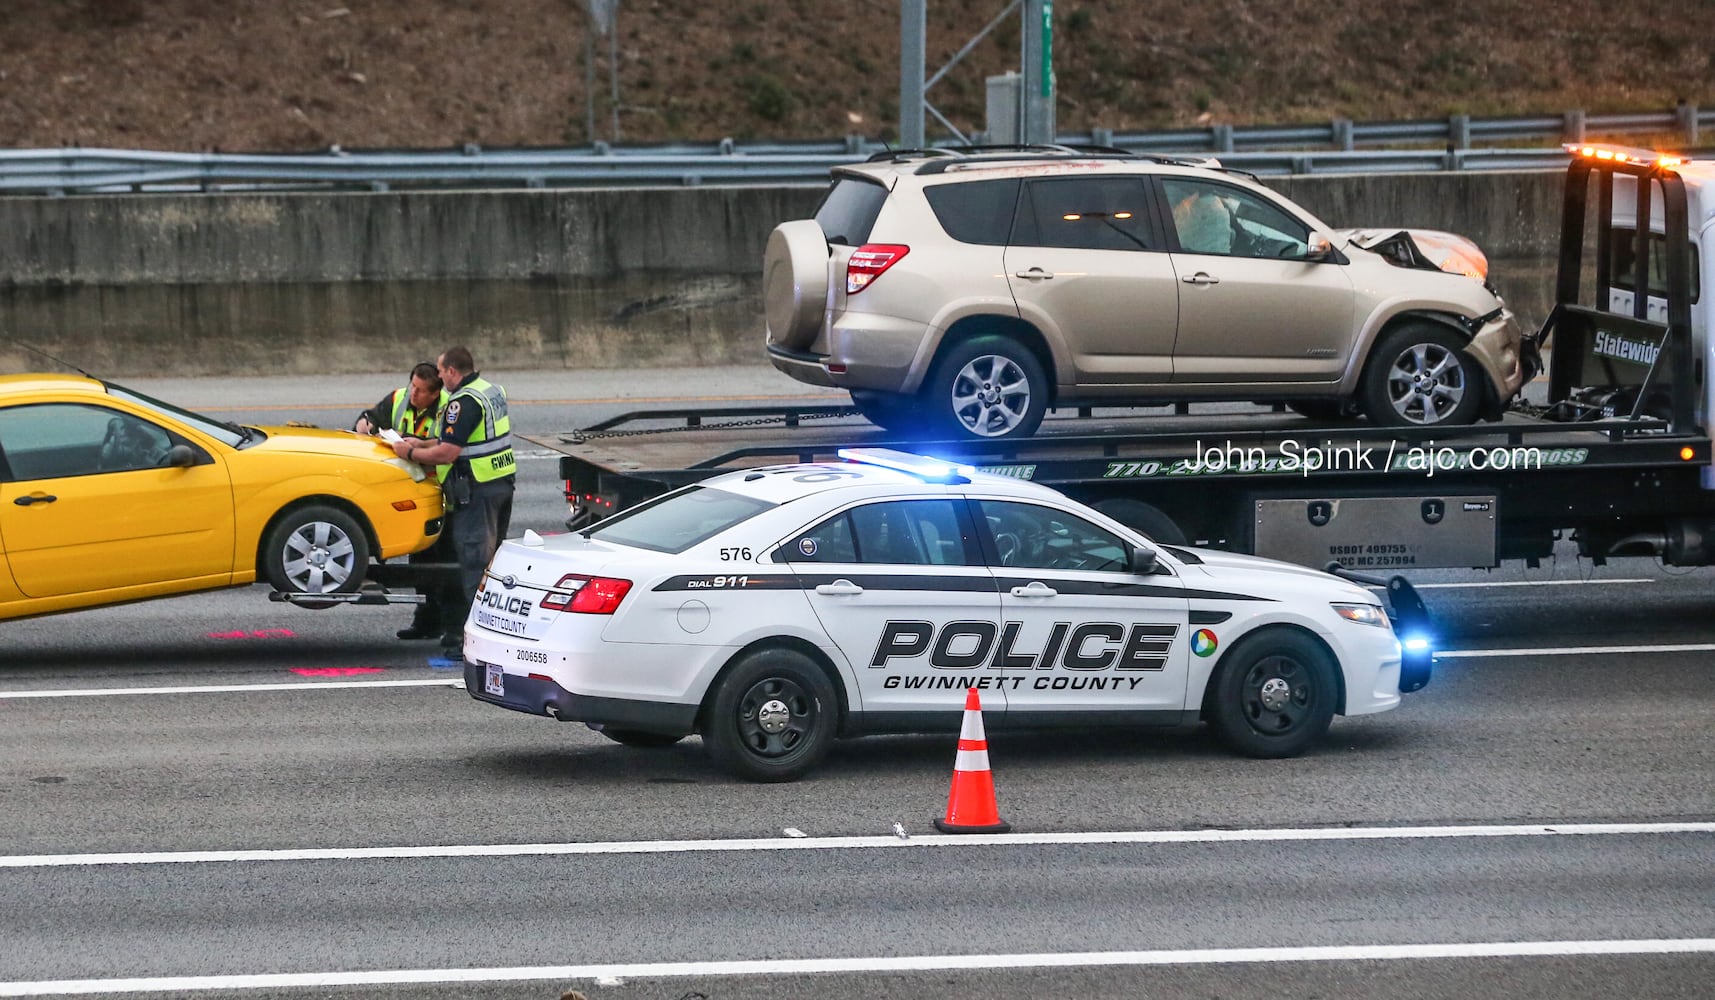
(1572, 126)
(1101, 137)
(1459, 131)
(1687, 115)
(854, 144)
(1222, 136)
(1340, 130)
(727, 146)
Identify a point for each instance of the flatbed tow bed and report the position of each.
(1617, 458)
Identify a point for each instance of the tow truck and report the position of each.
(1614, 455)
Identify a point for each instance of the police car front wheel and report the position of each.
(1274, 695)
(771, 717)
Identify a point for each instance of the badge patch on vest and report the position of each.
(452, 416)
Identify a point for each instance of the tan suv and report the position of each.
(965, 292)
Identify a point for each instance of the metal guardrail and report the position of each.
(1263, 150)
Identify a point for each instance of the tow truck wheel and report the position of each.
(1273, 695)
(989, 387)
(771, 717)
(315, 549)
(639, 738)
(1420, 376)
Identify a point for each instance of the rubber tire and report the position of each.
(641, 739)
(274, 549)
(1373, 392)
(759, 674)
(795, 283)
(937, 398)
(1326, 410)
(1232, 709)
(1139, 516)
(889, 411)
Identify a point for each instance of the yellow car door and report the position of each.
(98, 499)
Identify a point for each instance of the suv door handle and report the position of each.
(1036, 588)
(35, 498)
(839, 587)
(1200, 278)
(1035, 274)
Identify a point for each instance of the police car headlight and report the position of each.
(1363, 614)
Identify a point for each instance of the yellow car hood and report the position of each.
(336, 444)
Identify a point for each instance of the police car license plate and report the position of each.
(494, 679)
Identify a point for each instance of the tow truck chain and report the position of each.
(580, 436)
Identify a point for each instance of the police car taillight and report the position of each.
(869, 261)
(586, 595)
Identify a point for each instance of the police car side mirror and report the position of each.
(1144, 561)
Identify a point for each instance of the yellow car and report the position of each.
(108, 496)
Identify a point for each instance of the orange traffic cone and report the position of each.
(970, 804)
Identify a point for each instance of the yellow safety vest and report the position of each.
(424, 428)
(489, 450)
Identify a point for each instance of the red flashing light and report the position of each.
(869, 262)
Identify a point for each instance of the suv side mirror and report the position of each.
(1144, 561)
(1318, 247)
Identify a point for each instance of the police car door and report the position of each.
(901, 588)
(1081, 632)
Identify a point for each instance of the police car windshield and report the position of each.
(678, 520)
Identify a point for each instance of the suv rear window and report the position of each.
(848, 210)
(679, 520)
(975, 211)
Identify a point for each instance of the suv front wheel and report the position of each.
(991, 387)
(1420, 376)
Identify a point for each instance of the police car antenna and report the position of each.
(45, 354)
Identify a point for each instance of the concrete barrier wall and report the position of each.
(358, 282)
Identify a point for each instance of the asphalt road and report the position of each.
(1539, 822)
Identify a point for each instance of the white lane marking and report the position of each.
(846, 843)
(228, 688)
(877, 963)
(1443, 654)
(1524, 583)
(1462, 654)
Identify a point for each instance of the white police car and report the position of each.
(773, 609)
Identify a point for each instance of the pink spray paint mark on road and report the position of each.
(261, 633)
(336, 671)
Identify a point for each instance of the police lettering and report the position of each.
(964, 645)
(500, 602)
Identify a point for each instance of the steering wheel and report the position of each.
(1007, 544)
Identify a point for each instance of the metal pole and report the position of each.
(613, 66)
(913, 25)
(589, 81)
(1036, 61)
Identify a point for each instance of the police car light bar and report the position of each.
(1622, 154)
(931, 470)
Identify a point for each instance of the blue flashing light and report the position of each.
(1416, 643)
(932, 470)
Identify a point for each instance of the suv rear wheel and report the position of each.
(988, 387)
(1420, 376)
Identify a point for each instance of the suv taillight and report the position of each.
(587, 595)
(869, 261)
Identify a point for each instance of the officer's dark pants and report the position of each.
(440, 600)
(478, 527)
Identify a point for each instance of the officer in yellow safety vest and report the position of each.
(415, 411)
(473, 453)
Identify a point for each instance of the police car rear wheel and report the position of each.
(1274, 695)
(639, 738)
(771, 717)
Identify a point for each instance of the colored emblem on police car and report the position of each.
(1203, 642)
(807, 546)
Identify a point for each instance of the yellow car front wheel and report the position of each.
(316, 549)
